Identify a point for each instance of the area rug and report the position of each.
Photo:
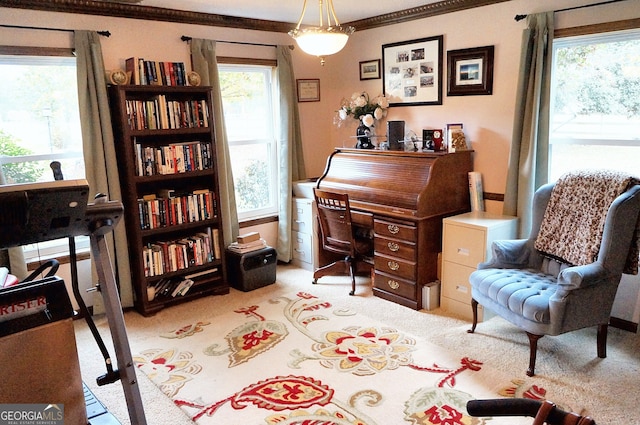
(297, 359)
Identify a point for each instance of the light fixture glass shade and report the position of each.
(322, 41)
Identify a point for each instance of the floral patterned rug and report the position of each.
(299, 360)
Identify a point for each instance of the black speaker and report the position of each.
(395, 135)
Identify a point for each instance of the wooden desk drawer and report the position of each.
(464, 245)
(390, 229)
(395, 285)
(395, 248)
(455, 280)
(395, 266)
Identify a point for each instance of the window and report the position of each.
(40, 123)
(595, 111)
(248, 99)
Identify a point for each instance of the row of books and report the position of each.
(172, 159)
(162, 114)
(170, 209)
(169, 256)
(169, 288)
(148, 72)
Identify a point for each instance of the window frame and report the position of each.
(231, 63)
(588, 34)
(60, 247)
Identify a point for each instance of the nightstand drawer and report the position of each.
(302, 217)
(464, 245)
(457, 281)
(301, 246)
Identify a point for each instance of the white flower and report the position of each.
(378, 113)
(368, 120)
(343, 113)
(383, 102)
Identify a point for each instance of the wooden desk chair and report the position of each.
(543, 412)
(338, 236)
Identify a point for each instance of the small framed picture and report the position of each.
(470, 71)
(370, 70)
(308, 90)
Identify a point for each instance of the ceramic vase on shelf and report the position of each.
(363, 134)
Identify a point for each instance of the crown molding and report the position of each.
(135, 11)
(419, 12)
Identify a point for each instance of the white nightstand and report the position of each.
(303, 231)
(466, 241)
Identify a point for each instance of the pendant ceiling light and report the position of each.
(322, 40)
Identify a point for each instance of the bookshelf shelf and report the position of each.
(170, 193)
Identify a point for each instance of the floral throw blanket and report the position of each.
(573, 223)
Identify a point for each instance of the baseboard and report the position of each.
(625, 325)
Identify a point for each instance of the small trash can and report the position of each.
(251, 270)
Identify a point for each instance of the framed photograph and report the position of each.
(308, 90)
(370, 70)
(470, 71)
(412, 72)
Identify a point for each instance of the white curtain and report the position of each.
(528, 161)
(101, 166)
(289, 149)
(204, 62)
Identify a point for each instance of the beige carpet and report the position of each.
(568, 370)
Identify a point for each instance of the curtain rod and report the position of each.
(187, 38)
(103, 33)
(521, 17)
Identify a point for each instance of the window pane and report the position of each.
(595, 112)
(251, 174)
(40, 123)
(248, 112)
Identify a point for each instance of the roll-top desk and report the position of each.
(401, 198)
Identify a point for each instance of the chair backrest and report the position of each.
(619, 228)
(334, 216)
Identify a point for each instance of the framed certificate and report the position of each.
(308, 90)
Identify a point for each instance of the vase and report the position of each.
(363, 134)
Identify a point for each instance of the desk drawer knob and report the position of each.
(393, 284)
(393, 246)
(393, 265)
(393, 229)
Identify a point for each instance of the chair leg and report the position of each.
(474, 309)
(602, 340)
(533, 349)
(352, 272)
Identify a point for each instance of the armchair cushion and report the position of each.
(522, 292)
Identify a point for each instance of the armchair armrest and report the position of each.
(581, 277)
(508, 254)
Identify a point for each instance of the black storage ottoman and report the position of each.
(251, 270)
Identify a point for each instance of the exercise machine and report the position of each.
(37, 212)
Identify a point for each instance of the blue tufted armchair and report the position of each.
(542, 292)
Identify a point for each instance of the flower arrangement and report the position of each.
(362, 108)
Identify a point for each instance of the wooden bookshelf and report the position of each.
(165, 145)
